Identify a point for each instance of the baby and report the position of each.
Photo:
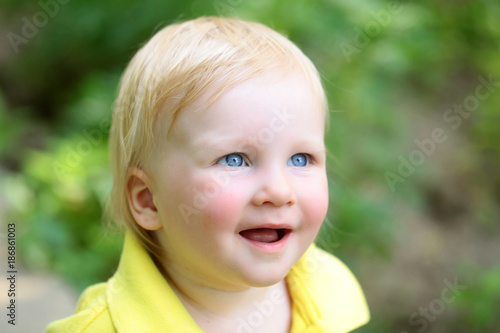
(218, 158)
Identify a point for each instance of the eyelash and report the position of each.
(243, 156)
(309, 157)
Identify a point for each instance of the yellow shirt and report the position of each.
(325, 295)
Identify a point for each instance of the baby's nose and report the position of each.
(275, 189)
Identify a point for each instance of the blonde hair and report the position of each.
(179, 64)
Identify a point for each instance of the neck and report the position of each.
(212, 307)
(218, 301)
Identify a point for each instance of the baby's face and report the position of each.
(242, 190)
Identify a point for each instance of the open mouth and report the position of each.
(265, 235)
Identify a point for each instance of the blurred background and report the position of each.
(414, 90)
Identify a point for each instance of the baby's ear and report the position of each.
(140, 200)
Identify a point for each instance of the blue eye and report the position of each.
(232, 160)
(298, 160)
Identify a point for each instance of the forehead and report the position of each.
(253, 105)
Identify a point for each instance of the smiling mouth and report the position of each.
(264, 235)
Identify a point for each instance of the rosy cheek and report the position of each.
(224, 209)
(315, 207)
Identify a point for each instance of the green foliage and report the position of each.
(356, 225)
(478, 306)
(59, 195)
(58, 213)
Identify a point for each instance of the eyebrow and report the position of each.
(224, 143)
(235, 143)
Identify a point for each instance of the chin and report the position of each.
(265, 277)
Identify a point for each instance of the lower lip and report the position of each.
(271, 247)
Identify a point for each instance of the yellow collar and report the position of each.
(139, 298)
(326, 296)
